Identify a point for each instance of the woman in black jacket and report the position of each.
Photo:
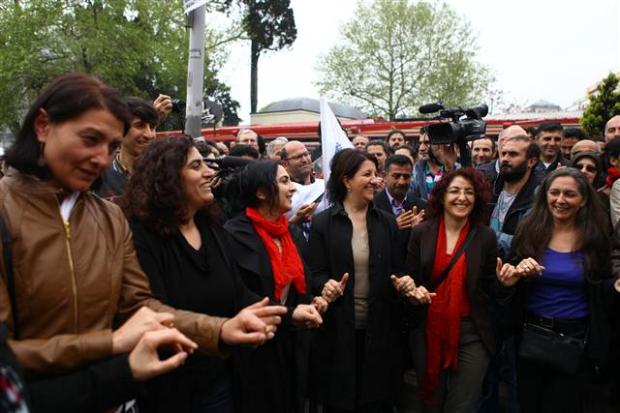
(270, 265)
(185, 253)
(562, 285)
(354, 248)
(454, 342)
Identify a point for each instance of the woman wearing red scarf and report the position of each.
(454, 343)
(270, 265)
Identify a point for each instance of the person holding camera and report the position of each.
(427, 172)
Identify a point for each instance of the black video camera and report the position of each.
(464, 125)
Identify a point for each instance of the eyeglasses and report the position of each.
(589, 168)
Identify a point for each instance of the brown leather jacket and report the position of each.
(75, 282)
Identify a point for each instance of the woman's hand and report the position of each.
(332, 290)
(306, 315)
(320, 304)
(528, 267)
(420, 296)
(144, 360)
(404, 285)
(253, 325)
(127, 336)
(507, 274)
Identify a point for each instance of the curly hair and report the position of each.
(482, 190)
(155, 192)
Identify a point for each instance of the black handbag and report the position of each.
(544, 346)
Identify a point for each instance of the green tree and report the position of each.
(603, 104)
(138, 46)
(269, 25)
(395, 55)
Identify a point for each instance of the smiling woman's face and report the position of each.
(196, 177)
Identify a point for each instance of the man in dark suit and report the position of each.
(396, 198)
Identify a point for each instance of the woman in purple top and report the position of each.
(561, 281)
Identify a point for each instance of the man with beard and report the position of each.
(396, 199)
(513, 192)
(513, 195)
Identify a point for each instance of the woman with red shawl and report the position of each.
(452, 257)
(270, 265)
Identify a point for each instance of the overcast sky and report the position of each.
(536, 49)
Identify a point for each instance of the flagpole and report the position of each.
(195, 72)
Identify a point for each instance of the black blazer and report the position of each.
(268, 377)
(481, 282)
(334, 360)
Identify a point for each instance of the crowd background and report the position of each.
(161, 274)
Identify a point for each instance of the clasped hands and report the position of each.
(332, 290)
(509, 274)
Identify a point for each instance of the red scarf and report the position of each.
(613, 174)
(286, 266)
(443, 321)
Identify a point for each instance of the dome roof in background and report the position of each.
(312, 105)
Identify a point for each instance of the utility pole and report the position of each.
(195, 71)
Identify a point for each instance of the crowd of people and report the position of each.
(172, 274)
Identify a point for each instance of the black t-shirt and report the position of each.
(202, 281)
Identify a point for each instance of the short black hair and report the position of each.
(575, 133)
(396, 132)
(612, 149)
(244, 150)
(142, 109)
(378, 142)
(549, 127)
(400, 160)
(259, 175)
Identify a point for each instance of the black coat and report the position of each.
(333, 353)
(213, 287)
(481, 283)
(268, 376)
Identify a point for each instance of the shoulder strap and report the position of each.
(433, 285)
(7, 256)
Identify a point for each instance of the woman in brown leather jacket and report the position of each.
(77, 294)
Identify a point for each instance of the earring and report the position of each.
(41, 159)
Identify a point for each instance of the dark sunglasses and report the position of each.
(589, 168)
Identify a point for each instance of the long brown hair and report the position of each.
(536, 229)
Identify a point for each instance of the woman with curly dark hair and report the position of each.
(452, 257)
(562, 284)
(186, 256)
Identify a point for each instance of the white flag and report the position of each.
(191, 5)
(333, 138)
